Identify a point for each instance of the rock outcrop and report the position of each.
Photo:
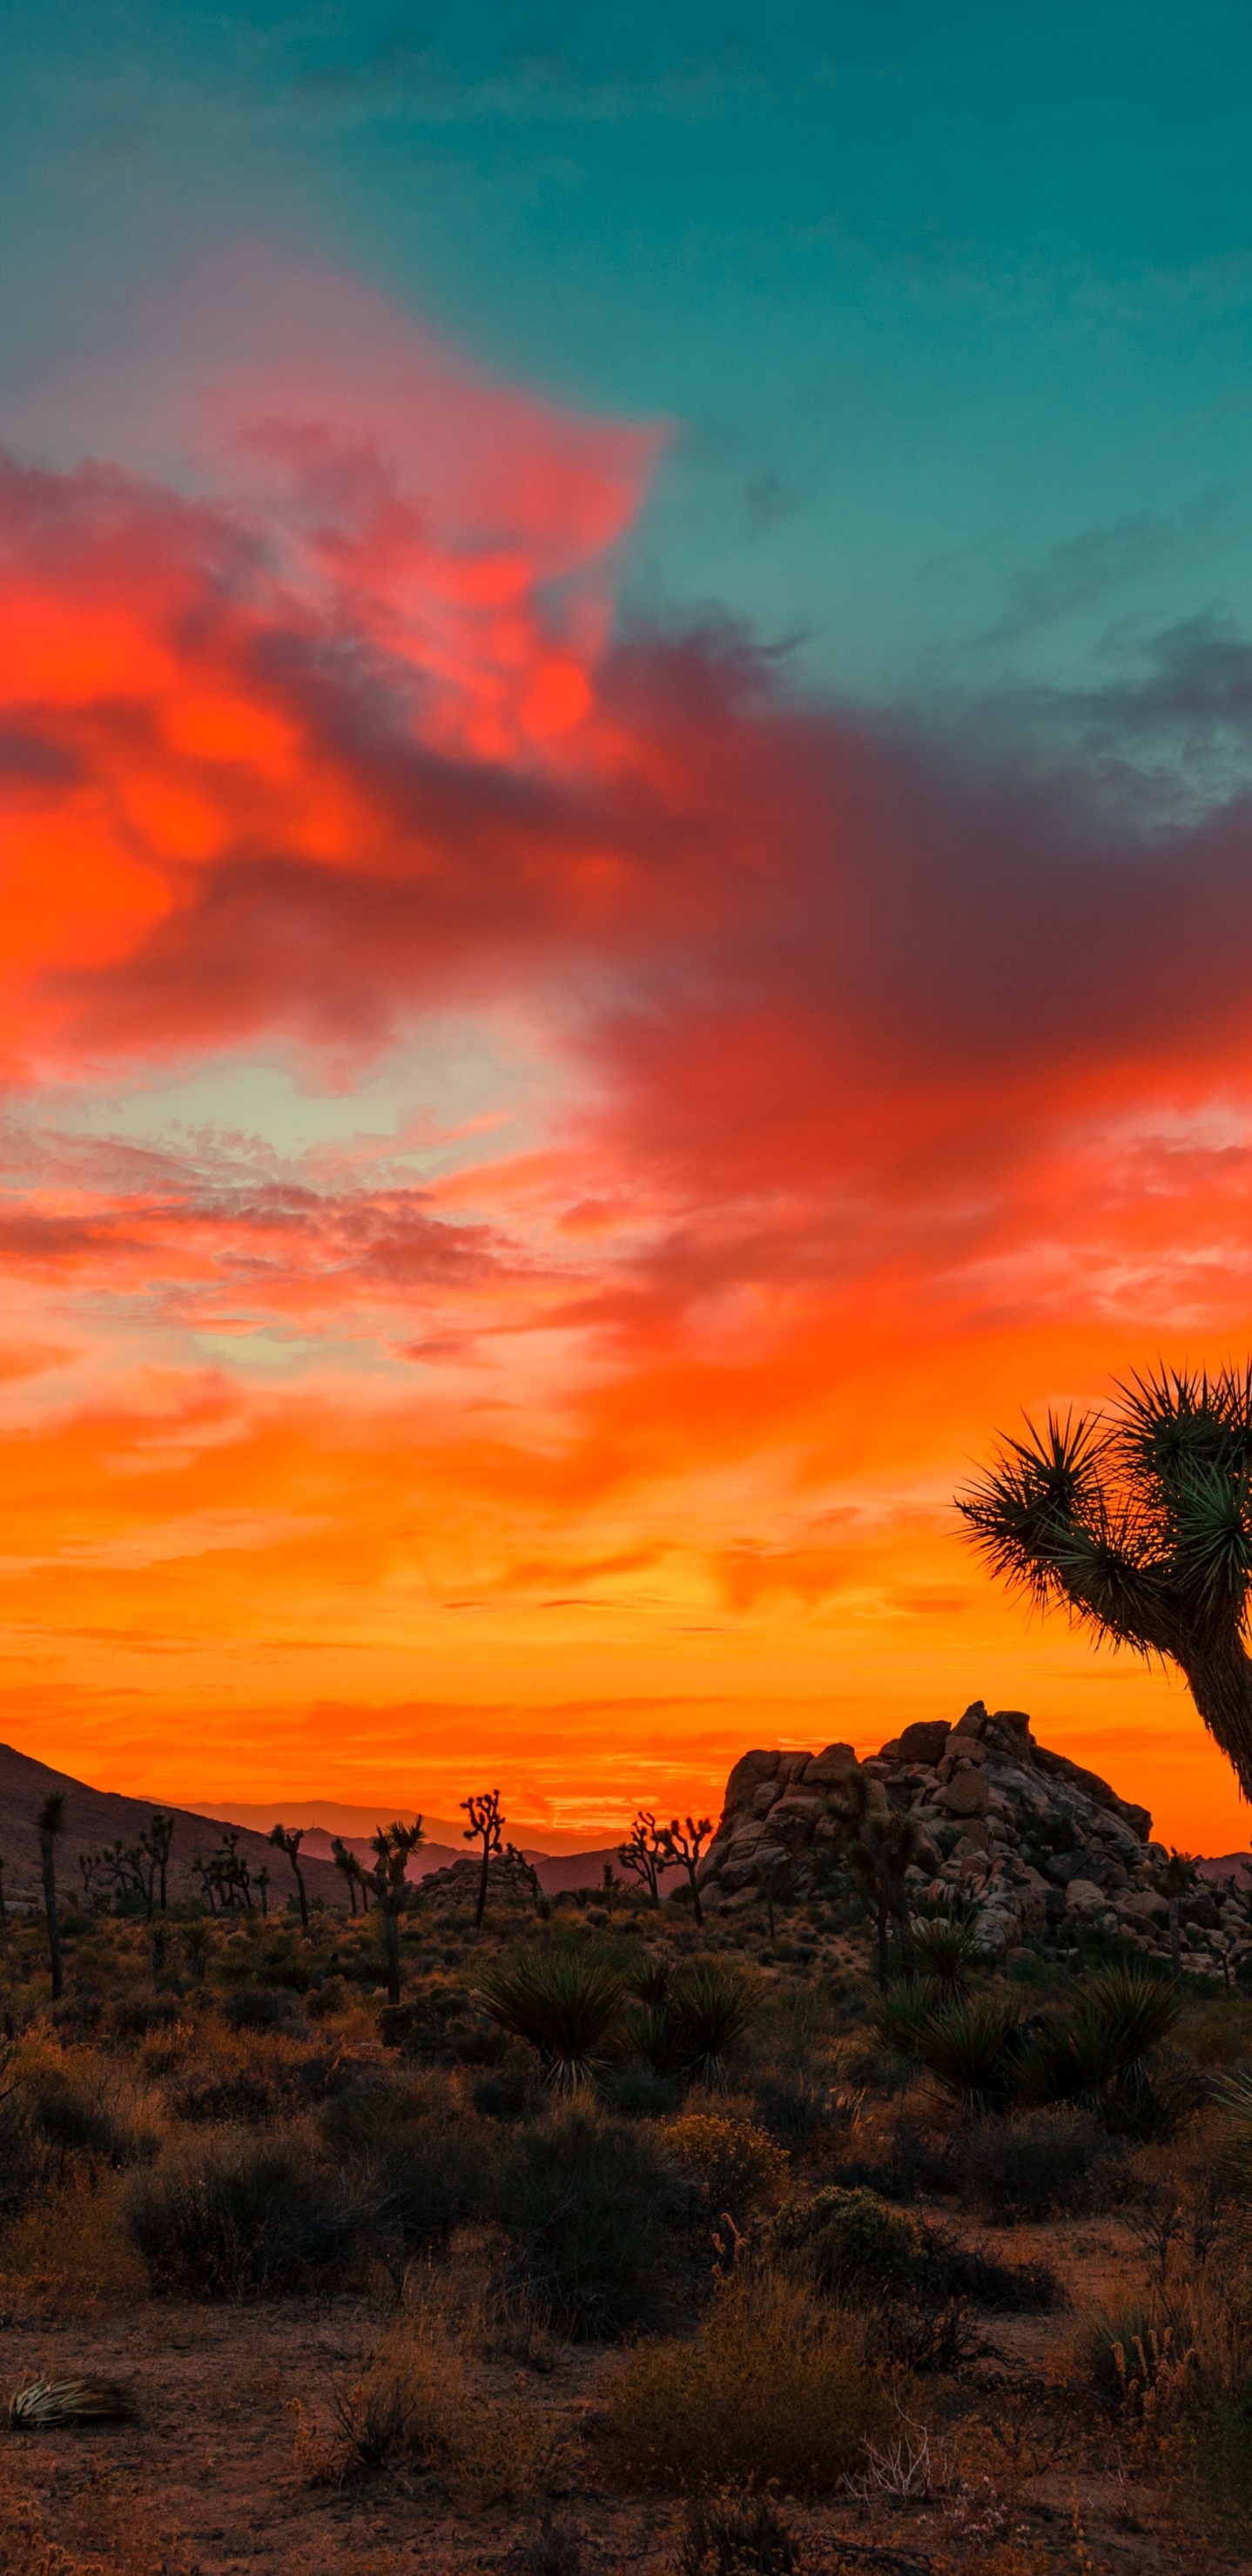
(1045, 1845)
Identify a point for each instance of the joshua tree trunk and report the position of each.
(1220, 1682)
(391, 1937)
(47, 1856)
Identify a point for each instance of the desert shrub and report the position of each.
(211, 2093)
(739, 2533)
(137, 2016)
(510, 2091)
(734, 2165)
(793, 2104)
(771, 2388)
(371, 2105)
(592, 2213)
(259, 2008)
(232, 2216)
(847, 2244)
(637, 2091)
(256, 2077)
(324, 2000)
(1033, 2162)
(441, 2025)
(423, 2181)
(75, 2117)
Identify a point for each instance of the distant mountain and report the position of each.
(94, 1817)
(333, 1818)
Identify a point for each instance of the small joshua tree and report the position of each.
(156, 1843)
(393, 1844)
(685, 1843)
(49, 1824)
(288, 1840)
(880, 1846)
(643, 1853)
(348, 1866)
(1175, 1879)
(486, 1824)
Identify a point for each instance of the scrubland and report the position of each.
(620, 2243)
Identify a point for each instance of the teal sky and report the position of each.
(948, 310)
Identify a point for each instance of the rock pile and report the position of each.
(1045, 1845)
(510, 1881)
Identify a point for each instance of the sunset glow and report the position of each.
(538, 1148)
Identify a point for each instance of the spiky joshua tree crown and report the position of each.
(1138, 1523)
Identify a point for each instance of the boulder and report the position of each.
(1083, 1897)
(965, 1794)
(924, 1740)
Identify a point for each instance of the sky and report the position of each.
(627, 858)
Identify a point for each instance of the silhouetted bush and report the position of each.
(232, 2217)
(593, 2212)
(1033, 2162)
(259, 2008)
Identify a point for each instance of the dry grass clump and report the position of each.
(418, 2404)
(771, 2388)
(68, 2253)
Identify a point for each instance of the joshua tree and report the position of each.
(881, 1844)
(774, 1882)
(50, 1822)
(1139, 1524)
(643, 1853)
(1175, 1879)
(289, 1842)
(486, 1824)
(685, 1844)
(348, 1866)
(393, 1844)
(263, 1888)
(156, 1844)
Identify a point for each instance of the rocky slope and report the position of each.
(1045, 1845)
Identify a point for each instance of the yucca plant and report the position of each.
(902, 2010)
(657, 2037)
(1099, 2056)
(1138, 1524)
(711, 2011)
(562, 2002)
(649, 1978)
(974, 2050)
(945, 1953)
(45, 2403)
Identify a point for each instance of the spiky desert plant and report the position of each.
(45, 2403)
(711, 2012)
(974, 2050)
(903, 2009)
(945, 1951)
(561, 2002)
(648, 1978)
(394, 1845)
(1175, 1879)
(1138, 1523)
(1099, 2057)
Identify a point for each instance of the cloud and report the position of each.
(895, 1065)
